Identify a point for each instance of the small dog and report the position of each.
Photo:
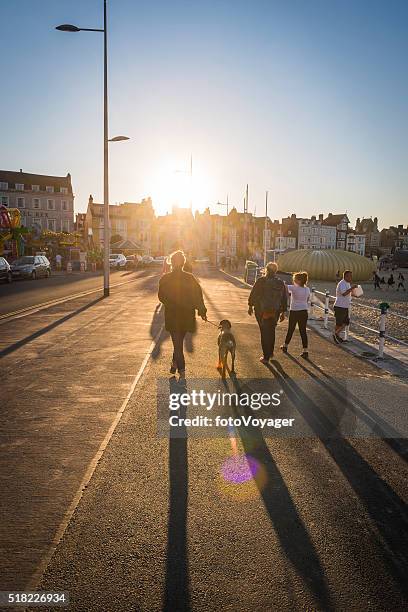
(226, 344)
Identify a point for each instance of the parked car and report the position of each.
(117, 260)
(133, 260)
(31, 266)
(147, 260)
(5, 270)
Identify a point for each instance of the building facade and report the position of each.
(369, 227)
(312, 234)
(356, 243)
(130, 220)
(340, 223)
(45, 202)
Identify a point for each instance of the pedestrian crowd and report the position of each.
(390, 282)
(181, 295)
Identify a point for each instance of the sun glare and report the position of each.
(173, 185)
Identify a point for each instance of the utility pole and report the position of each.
(191, 183)
(246, 200)
(266, 226)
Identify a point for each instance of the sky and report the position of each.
(307, 99)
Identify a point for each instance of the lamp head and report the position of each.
(67, 27)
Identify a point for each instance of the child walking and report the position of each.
(299, 310)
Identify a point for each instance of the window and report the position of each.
(35, 187)
(51, 225)
(65, 225)
(50, 205)
(49, 189)
(64, 190)
(3, 185)
(36, 202)
(20, 203)
(20, 186)
(64, 205)
(4, 200)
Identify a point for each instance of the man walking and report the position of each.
(401, 281)
(269, 299)
(342, 305)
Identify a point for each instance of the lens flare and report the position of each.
(239, 469)
(242, 478)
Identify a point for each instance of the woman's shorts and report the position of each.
(342, 316)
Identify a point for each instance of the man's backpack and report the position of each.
(271, 298)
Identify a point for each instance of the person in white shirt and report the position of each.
(299, 311)
(58, 261)
(342, 304)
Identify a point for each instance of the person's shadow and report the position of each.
(155, 327)
(293, 535)
(177, 588)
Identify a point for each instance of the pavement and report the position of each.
(321, 526)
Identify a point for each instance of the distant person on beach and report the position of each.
(298, 311)
(342, 305)
(376, 280)
(181, 295)
(269, 299)
(401, 281)
(391, 281)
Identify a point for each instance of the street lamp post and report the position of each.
(106, 231)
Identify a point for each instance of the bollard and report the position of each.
(312, 300)
(326, 310)
(69, 267)
(384, 306)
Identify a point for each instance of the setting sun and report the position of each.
(175, 185)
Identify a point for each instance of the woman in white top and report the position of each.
(299, 310)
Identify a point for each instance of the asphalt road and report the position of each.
(63, 377)
(24, 293)
(319, 522)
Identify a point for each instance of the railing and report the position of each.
(383, 310)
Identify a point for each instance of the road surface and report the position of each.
(320, 525)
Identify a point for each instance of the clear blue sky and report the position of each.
(305, 98)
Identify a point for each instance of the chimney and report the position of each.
(330, 215)
(21, 169)
(321, 217)
(313, 218)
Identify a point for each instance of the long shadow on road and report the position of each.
(384, 506)
(380, 427)
(290, 529)
(48, 328)
(177, 589)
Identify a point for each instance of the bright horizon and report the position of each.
(307, 102)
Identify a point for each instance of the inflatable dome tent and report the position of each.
(323, 265)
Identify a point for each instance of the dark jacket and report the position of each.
(257, 290)
(181, 295)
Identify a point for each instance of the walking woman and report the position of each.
(181, 295)
(298, 312)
